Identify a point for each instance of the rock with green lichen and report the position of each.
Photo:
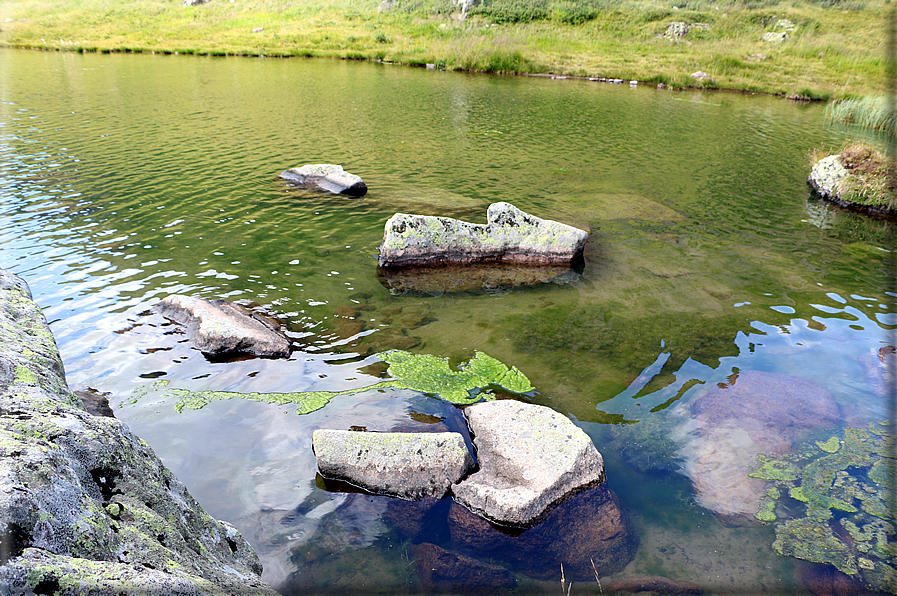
(85, 506)
(843, 484)
(510, 235)
(406, 465)
(417, 372)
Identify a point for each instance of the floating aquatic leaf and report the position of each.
(418, 372)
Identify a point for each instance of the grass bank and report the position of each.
(831, 48)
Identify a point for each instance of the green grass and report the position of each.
(835, 49)
(869, 113)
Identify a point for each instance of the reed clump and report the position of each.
(869, 113)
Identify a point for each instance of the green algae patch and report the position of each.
(843, 484)
(425, 373)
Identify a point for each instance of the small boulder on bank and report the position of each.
(221, 328)
(407, 465)
(530, 458)
(510, 235)
(329, 177)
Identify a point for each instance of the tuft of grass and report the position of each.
(869, 113)
(872, 179)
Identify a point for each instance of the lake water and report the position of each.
(126, 178)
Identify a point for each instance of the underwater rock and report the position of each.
(509, 236)
(406, 465)
(331, 178)
(755, 412)
(443, 571)
(221, 328)
(589, 526)
(86, 506)
(530, 459)
(486, 277)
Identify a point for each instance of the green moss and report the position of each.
(418, 372)
(848, 476)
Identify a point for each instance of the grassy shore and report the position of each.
(834, 50)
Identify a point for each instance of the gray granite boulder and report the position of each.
(530, 459)
(86, 506)
(406, 465)
(331, 178)
(510, 235)
(221, 328)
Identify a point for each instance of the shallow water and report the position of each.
(128, 178)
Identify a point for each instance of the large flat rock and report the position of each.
(221, 328)
(530, 459)
(406, 465)
(510, 235)
(86, 506)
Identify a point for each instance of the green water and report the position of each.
(126, 178)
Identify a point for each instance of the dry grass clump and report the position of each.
(872, 180)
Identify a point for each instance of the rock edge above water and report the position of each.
(510, 235)
(86, 506)
(405, 465)
(329, 177)
(221, 328)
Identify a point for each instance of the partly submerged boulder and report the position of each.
(755, 412)
(589, 527)
(221, 328)
(406, 465)
(85, 506)
(329, 177)
(530, 459)
(510, 235)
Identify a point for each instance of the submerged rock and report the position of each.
(222, 328)
(510, 236)
(406, 465)
(530, 458)
(592, 526)
(85, 506)
(331, 178)
(487, 277)
(755, 412)
(443, 571)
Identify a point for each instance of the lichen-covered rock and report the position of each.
(222, 328)
(331, 178)
(510, 235)
(826, 176)
(530, 459)
(406, 465)
(85, 506)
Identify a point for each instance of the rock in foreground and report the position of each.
(406, 465)
(85, 506)
(222, 328)
(510, 235)
(331, 178)
(530, 459)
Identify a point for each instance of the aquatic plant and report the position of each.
(844, 485)
(426, 373)
(869, 113)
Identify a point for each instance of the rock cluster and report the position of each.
(222, 328)
(510, 235)
(329, 177)
(85, 506)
